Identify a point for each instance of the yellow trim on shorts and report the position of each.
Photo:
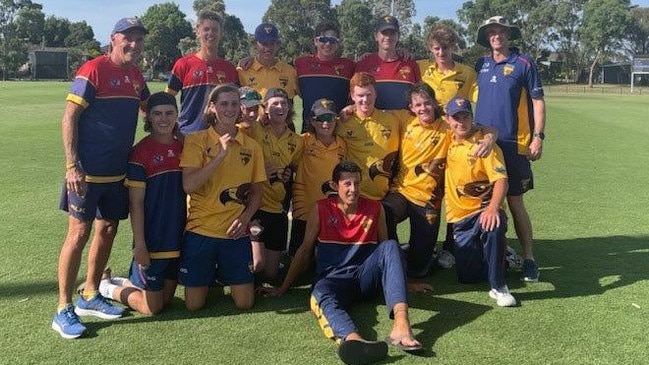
(164, 255)
(104, 179)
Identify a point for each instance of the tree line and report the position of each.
(580, 34)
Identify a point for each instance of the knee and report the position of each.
(107, 229)
(244, 304)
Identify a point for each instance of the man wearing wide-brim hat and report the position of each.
(510, 98)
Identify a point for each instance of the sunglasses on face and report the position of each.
(326, 118)
(331, 40)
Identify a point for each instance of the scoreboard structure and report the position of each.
(639, 66)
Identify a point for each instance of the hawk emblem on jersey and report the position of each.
(170, 153)
(350, 133)
(252, 81)
(291, 146)
(405, 72)
(327, 188)
(508, 69)
(315, 66)
(434, 168)
(137, 88)
(366, 223)
(115, 83)
(477, 189)
(283, 81)
(386, 133)
(220, 77)
(246, 155)
(127, 80)
(338, 69)
(198, 74)
(237, 194)
(333, 221)
(500, 169)
(384, 167)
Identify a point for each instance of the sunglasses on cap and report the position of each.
(326, 118)
(325, 39)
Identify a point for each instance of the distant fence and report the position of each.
(596, 89)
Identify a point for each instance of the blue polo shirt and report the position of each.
(505, 93)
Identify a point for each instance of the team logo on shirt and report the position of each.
(477, 189)
(158, 159)
(284, 81)
(366, 223)
(338, 69)
(327, 188)
(246, 155)
(384, 167)
(220, 77)
(315, 66)
(508, 69)
(210, 70)
(115, 83)
(386, 133)
(137, 87)
(500, 169)
(405, 72)
(291, 146)
(170, 153)
(434, 168)
(198, 74)
(238, 195)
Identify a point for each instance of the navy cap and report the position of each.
(125, 24)
(275, 93)
(266, 32)
(323, 106)
(458, 104)
(161, 98)
(387, 22)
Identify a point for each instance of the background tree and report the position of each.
(167, 26)
(82, 37)
(30, 22)
(603, 28)
(235, 43)
(415, 42)
(637, 31)
(55, 31)
(296, 20)
(8, 10)
(356, 28)
(403, 10)
(213, 5)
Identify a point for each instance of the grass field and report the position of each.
(591, 219)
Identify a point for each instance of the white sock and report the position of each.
(120, 281)
(106, 289)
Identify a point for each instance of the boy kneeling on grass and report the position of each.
(158, 210)
(475, 188)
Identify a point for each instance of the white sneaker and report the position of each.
(503, 297)
(446, 259)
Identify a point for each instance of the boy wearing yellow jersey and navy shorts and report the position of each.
(475, 188)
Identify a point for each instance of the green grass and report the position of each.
(590, 217)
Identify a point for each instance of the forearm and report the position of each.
(254, 202)
(69, 132)
(498, 195)
(539, 115)
(299, 264)
(137, 218)
(194, 178)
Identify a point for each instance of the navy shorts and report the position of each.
(519, 173)
(274, 232)
(106, 201)
(206, 259)
(154, 276)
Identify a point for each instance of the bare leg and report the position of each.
(70, 257)
(522, 224)
(195, 297)
(100, 248)
(271, 265)
(258, 257)
(243, 295)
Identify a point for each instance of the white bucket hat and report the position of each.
(514, 31)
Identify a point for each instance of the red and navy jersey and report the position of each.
(194, 78)
(110, 96)
(505, 93)
(323, 79)
(393, 80)
(344, 241)
(154, 166)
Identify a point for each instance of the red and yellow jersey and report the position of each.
(422, 162)
(313, 173)
(469, 180)
(194, 78)
(262, 78)
(280, 151)
(373, 144)
(214, 206)
(393, 80)
(461, 81)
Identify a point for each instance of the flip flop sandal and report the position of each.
(396, 342)
(361, 352)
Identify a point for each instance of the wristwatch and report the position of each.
(541, 135)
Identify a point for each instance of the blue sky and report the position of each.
(101, 17)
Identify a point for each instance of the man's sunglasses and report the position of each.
(326, 118)
(330, 40)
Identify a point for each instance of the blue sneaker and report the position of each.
(530, 271)
(98, 307)
(67, 323)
